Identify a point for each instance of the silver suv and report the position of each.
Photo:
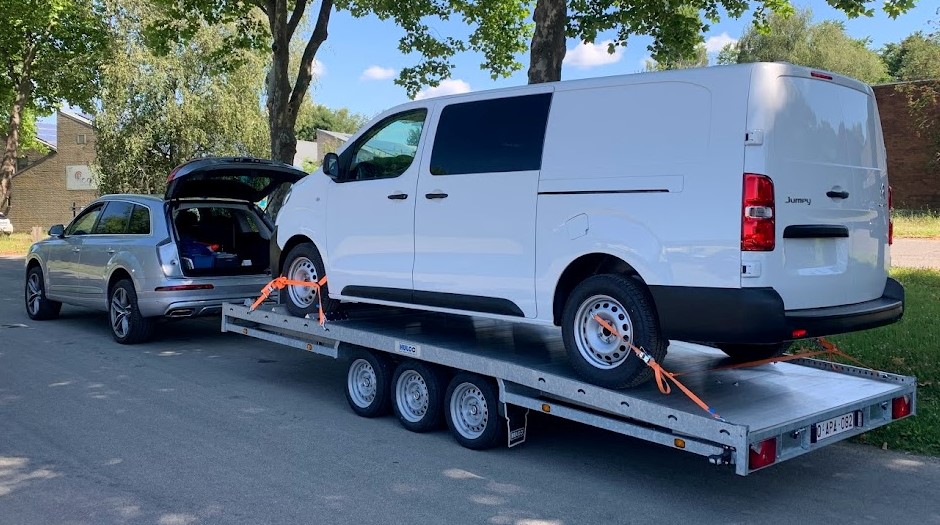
(141, 258)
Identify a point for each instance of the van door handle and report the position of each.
(837, 194)
(398, 196)
(436, 195)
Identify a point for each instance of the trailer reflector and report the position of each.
(680, 443)
(901, 407)
(546, 408)
(762, 454)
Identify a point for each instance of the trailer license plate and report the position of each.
(834, 426)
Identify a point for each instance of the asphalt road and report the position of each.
(202, 427)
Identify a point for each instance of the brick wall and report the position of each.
(914, 179)
(40, 194)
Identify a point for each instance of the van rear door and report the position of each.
(824, 152)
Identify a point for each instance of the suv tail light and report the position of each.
(890, 216)
(757, 226)
(168, 255)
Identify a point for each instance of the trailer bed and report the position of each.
(779, 401)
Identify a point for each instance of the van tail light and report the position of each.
(901, 407)
(890, 216)
(757, 225)
(762, 454)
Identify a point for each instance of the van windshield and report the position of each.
(826, 123)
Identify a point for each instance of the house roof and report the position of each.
(81, 119)
(335, 134)
(46, 143)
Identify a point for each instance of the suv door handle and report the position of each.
(436, 195)
(76, 250)
(837, 194)
(110, 251)
(398, 196)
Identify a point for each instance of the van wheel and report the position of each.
(128, 327)
(746, 353)
(367, 383)
(418, 396)
(303, 263)
(599, 356)
(38, 306)
(473, 411)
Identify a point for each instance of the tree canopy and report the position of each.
(158, 111)
(798, 40)
(51, 50)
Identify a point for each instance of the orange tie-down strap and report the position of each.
(283, 282)
(661, 374)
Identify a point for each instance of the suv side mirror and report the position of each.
(57, 231)
(331, 165)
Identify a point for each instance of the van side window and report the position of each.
(388, 149)
(491, 136)
(114, 219)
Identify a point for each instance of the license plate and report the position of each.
(835, 426)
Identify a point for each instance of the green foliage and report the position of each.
(158, 111)
(796, 39)
(699, 60)
(317, 116)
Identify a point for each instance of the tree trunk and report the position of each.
(548, 41)
(8, 167)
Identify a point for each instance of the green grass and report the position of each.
(16, 244)
(909, 347)
(916, 224)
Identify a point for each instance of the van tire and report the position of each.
(599, 356)
(303, 263)
(745, 353)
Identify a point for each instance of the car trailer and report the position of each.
(484, 376)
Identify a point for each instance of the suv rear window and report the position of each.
(491, 136)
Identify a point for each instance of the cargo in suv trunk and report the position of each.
(220, 210)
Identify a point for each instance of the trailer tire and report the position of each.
(417, 396)
(303, 263)
(473, 411)
(367, 383)
(745, 353)
(599, 356)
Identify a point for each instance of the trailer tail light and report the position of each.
(757, 225)
(901, 407)
(890, 216)
(762, 454)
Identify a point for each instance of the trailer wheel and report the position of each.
(473, 411)
(595, 353)
(416, 389)
(303, 263)
(746, 353)
(367, 383)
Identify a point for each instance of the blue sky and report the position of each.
(357, 64)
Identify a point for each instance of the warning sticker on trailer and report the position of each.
(408, 349)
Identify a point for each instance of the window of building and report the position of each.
(80, 139)
(491, 136)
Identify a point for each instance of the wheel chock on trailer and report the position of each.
(661, 374)
(283, 282)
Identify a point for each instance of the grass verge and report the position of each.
(16, 244)
(916, 224)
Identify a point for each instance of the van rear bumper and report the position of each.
(757, 315)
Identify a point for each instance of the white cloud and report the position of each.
(451, 86)
(587, 55)
(715, 43)
(377, 73)
(319, 69)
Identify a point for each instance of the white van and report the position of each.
(742, 206)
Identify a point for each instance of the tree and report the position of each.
(158, 111)
(676, 27)
(51, 51)
(499, 28)
(317, 116)
(699, 60)
(796, 39)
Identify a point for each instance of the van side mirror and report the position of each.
(57, 231)
(331, 165)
